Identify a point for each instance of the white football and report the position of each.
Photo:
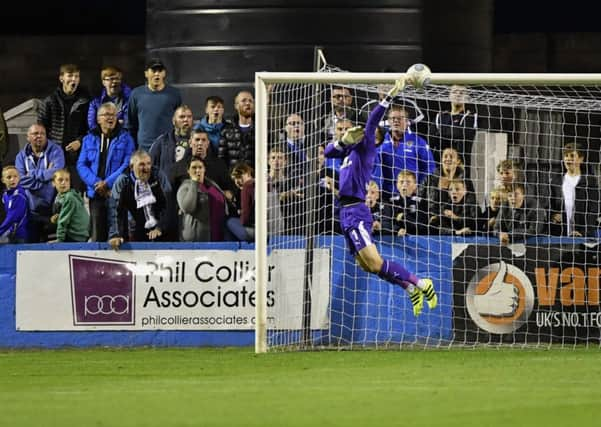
(418, 75)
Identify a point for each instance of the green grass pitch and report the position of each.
(235, 387)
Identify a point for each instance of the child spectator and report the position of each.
(372, 201)
(14, 227)
(71, 217)
(520, 218)
(488, 219)
(575, 198)
(243, 226)
(401, 213)
(458, 215)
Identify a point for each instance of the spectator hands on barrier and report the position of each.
(464, 231)
(154, 234)
(116, 242)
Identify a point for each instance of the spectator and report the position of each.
(215, 168)
(510, 173)
(151, 106)
(237, 143)
(327, 195)
(36, 163)
(70, 214)
(434, 191)
(64, 116)
(488, 219)
(458, 215)
(212, 122)
(142, 192)
(280, 192)
(456, 128)
(401, 213)
(372, 200)
(171, 146)
(243, 227)
(520, 218)
(401, 150)
(14, 227)
(340, 129)
(104, 157)
(202, 206)
(295, 139)
(575, 198)
(113, 90)
(341, 101)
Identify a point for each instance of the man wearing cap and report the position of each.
(151, 106)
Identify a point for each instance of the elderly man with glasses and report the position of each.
(104, 156)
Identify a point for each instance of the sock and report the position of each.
(396, 274)
(410, 287)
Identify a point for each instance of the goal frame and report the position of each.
(263, 79)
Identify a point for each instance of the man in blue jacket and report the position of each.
(104, 156)
(36, 163)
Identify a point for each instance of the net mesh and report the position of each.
(503, 216)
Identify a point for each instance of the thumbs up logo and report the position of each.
(500, 298)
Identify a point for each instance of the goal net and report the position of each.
(486, 184)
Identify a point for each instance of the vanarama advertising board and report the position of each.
(535, 293)
(170, 290)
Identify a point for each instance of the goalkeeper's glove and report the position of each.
(352, 136)
(399, 85)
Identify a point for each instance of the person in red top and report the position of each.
(243, 226)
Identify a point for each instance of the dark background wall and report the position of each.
(211, 48)
(215, 46)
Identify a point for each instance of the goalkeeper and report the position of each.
(358, 148)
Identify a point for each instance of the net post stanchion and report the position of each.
(261, 216)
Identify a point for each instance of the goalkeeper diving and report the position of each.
(358, 149)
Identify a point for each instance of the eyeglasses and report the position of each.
(397, 119)
(112, 79)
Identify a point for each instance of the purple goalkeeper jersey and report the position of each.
(358, 163)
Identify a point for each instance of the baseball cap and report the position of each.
(154, 63)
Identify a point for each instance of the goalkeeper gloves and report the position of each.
(399, 85)
(352, 136)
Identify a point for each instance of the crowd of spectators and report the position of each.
(135, 165)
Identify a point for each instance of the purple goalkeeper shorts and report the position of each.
(356, 222)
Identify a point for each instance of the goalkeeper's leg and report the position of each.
(370, 260)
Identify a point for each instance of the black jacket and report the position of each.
(235, 145)
(64, 126)
(122, 202)
(586, 208)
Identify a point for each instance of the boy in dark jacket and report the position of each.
(458, 216)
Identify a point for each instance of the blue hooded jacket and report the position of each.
(36, 177)
(16, 205)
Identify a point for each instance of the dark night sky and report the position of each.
(128, 17)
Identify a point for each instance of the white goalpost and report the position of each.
(525, 273)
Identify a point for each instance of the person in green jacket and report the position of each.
(71, 218)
